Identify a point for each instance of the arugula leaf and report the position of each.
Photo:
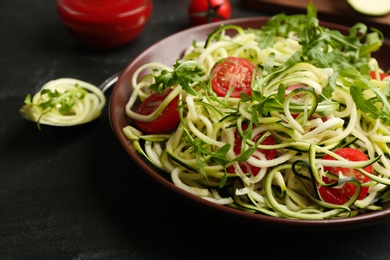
(347, 54)
(63, 102)
(282, 25)
(321, 46)
(378, 105)
(328, 90)
(183, 73)
(220, 155)
(364, 105)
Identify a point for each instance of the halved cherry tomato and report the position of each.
(207, 11)
(341, 195)
(232, 72)
(381, 75)
(167, 121)
(245, 166)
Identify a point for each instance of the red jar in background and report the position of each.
(105, 23)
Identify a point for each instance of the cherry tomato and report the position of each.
(232, 72)
(207, 11)
(341, 195)
(381, 75)
(167, 121)
(245, 166)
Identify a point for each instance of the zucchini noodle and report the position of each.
(307, 122)
(83, 101)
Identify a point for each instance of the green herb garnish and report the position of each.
(62, 102)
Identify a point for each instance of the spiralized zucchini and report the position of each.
(322, 114)
(64, 102)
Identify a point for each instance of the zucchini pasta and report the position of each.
(307, 140)
(64, 102)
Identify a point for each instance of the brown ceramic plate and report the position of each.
(167, 51)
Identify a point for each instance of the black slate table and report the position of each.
(73, 193)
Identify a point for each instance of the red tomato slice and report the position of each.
(207, 11)
(341, 195)
(232, 72)
(381, 75)
(167, 121)
(246, 167)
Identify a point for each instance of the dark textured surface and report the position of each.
(72, 193)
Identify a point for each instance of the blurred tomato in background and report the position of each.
(208, 11)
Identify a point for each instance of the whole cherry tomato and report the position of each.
(341, 195)
(166, 121)
(207, 11)
(232, 72)
(245, 166)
